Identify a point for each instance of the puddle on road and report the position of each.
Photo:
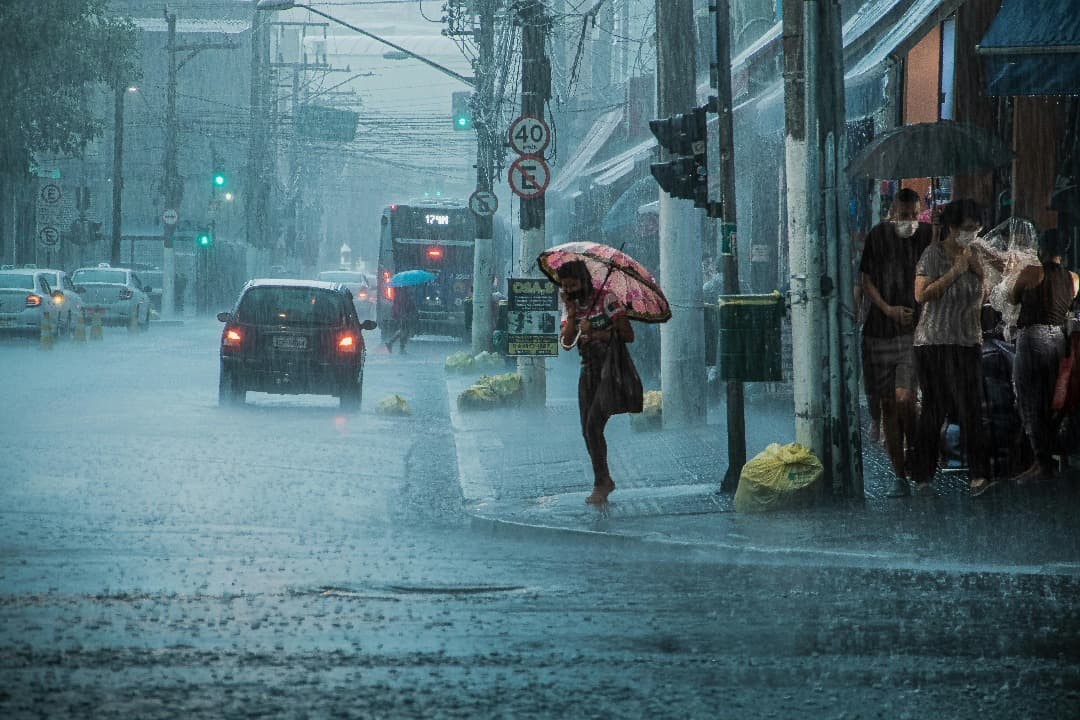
(373, 593)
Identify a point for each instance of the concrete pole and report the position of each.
(484, 250)
(682, 342)
(535, 90)
(255, 200)
(172, 182)
(726, 229)
(117, 170)
(803, 255)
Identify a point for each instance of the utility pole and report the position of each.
(682, 344)
(484, 250)
(535, 91)
(173, 185)
(256, 201)
(727, 236)
(825, 381)
(118, 170)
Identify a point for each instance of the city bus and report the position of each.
(434, 235)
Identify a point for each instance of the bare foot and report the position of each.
(600, 493)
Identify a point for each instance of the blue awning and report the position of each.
(1033, 48)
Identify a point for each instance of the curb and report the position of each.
(476, 491)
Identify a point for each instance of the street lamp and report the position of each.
(273, 5)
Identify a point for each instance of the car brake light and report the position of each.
(435, 253)
(33, 300)
(347, 343)
(362, 295)
(231, 338)
(126, 293)
(389, 292)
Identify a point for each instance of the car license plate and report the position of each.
(290, 342)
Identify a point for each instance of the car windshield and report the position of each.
(117, 277)
(290, 306)
(18, 281)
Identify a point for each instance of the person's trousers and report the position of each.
(593, 420)
(1039, 349)
(950, 378)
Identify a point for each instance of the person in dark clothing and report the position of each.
(405, 316)
(1044, 292)
(593, 323)
(887, 267)
(949, 285)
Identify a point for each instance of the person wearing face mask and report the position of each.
(887, 268)
(949, 285)
(1044, 292)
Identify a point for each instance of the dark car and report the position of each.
(292, 337)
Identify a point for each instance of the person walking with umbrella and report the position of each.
(602, 289)
(888, 278)
(948, 345)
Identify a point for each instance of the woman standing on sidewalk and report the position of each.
(1044, 292)
(599, 327)
(948, 345)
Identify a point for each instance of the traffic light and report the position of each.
(219, 179)
(204, 238)
(461, 110)
(686, 174)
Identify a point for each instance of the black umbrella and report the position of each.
(936, 149)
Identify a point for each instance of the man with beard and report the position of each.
(887, 267)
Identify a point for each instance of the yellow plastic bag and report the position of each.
(459, 362)
(393, 405)
(651, 416)
(780, 477)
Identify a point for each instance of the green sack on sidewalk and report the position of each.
(780, 477)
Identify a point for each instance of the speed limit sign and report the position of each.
(529, 135)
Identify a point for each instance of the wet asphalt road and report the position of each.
(162, 557)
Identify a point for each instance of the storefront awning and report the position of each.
(903, 35)
(567, 176)
(1033, 48)
(607, 172)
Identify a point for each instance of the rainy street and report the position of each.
(163, 556)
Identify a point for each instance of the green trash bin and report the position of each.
(749, 329)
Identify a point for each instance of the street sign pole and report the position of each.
(484, 122)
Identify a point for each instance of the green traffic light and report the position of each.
(219, 179)
(463, 122)
(204, 240)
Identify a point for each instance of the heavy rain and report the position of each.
(539, 359)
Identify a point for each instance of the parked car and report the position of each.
(365, 295)
(292, 337)
(119, 291)
(25, 297)
(67, 302)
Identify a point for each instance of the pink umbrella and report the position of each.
(613, 271)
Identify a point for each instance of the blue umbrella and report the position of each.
(409, 278)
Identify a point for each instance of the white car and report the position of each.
(67, 303)
(25, 297)
(118, 291)
(361, 287)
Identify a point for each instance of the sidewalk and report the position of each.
(527, 470)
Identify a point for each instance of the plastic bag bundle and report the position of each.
(393, 405)
(459, 362)
(652, 411)
(780, 477)
(490, 392)
(1007, 249)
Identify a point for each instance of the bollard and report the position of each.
(133, 320)
(95, 323)
(46, 332)
(79, 333)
